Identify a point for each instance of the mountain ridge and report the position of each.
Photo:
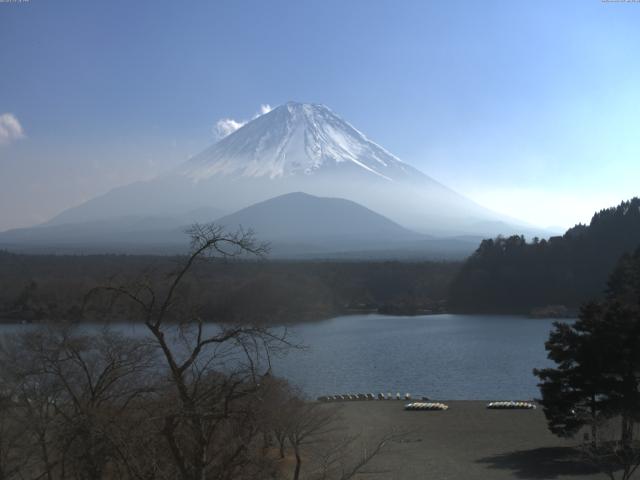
(298, 226)
(313, 131)
(300, 215)
(299, 147)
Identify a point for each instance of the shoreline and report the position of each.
(349, 313)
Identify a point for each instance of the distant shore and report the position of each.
(569, 315)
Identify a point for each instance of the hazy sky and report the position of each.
(530, 108)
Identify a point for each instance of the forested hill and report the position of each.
(53, 287)
(515, 276)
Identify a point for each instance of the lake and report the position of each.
(453, 357)
(449, 357)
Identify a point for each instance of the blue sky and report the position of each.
(531, 108)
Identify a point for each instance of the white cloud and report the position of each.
(226, 126)
(264, 108)
(10, 129)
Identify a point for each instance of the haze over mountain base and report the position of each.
(293, 148)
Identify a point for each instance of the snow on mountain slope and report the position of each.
(296, 139)
(297, 148)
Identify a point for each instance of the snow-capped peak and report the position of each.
(296, 139)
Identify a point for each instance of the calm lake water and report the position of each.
(453, 357)
(449, 357)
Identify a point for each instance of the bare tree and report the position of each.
(69, 391)
(15, 452)
(614, 453)
(342, 458)
(308, 423)
(318, 433)
(274, 395)
(193, 398)
(214, 369)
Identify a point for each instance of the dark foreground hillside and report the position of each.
(41, 287)
(515, 276)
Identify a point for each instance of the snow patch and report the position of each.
(293, 139)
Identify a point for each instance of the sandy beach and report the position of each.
(467, 442)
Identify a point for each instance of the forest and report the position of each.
(504, 275)
(511, 275)
(43, 287)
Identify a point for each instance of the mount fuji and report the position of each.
(298, 140)
(296, 147)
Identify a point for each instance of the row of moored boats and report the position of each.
(508, 405)
(511, 405)
(365, 396)
(425, 404)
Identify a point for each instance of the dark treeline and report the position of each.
(513, 275)
(594, 387)
(45, 287)
(504, 275)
